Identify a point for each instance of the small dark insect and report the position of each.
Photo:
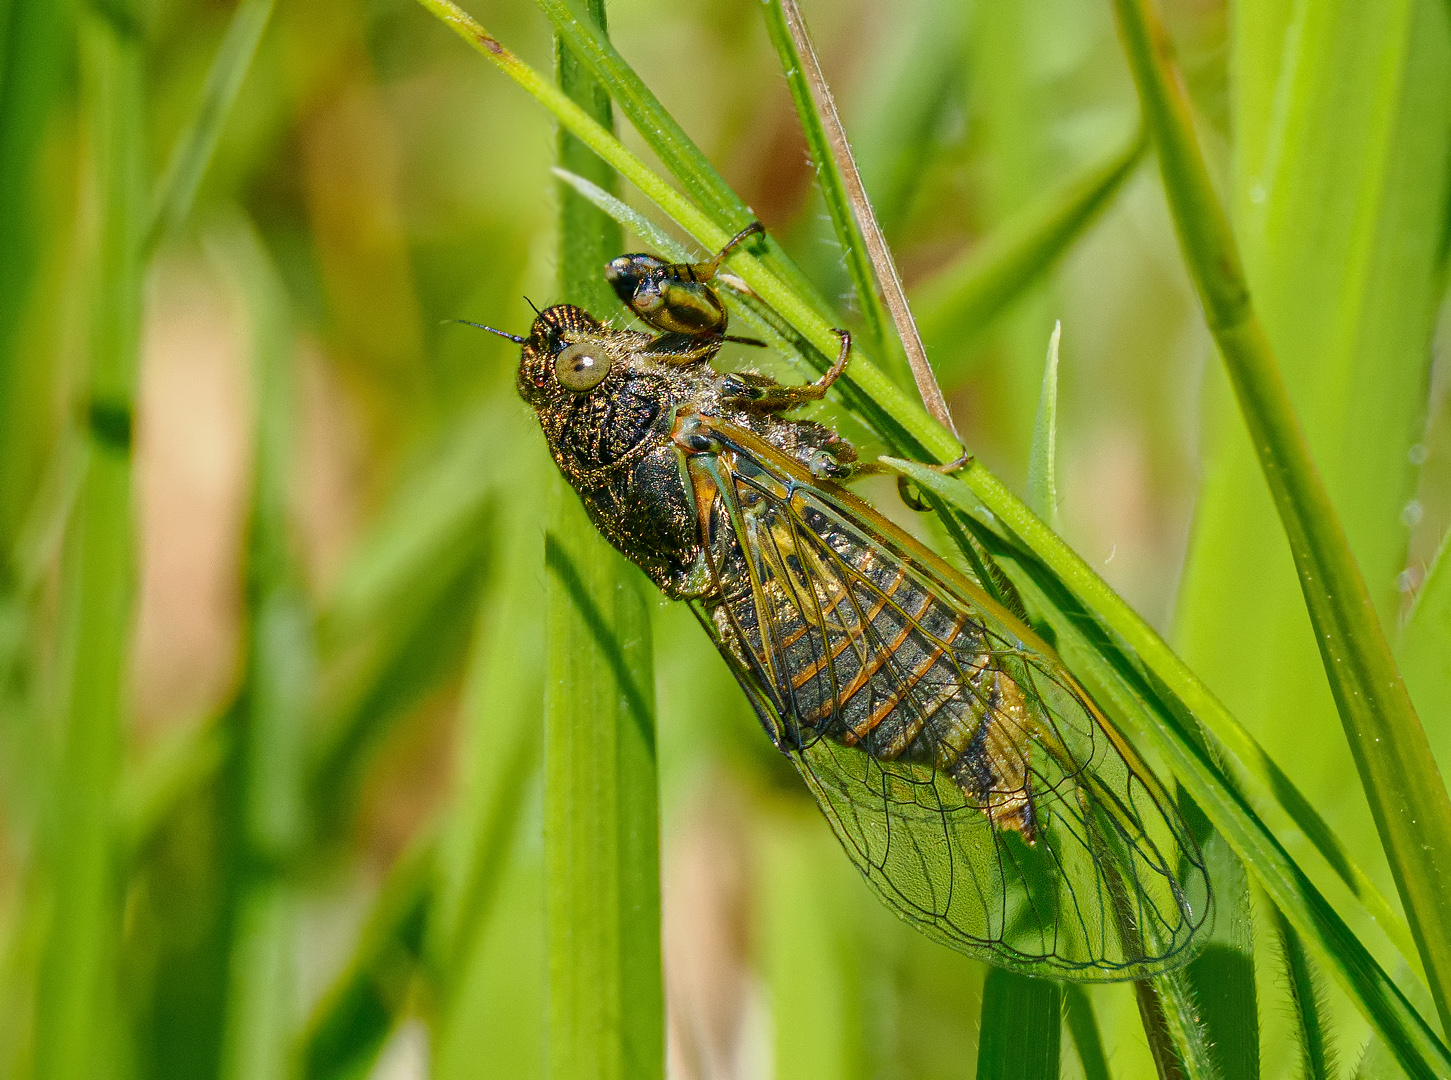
(975, 784)
(677, 298)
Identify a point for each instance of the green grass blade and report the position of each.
(1317, 1055)
(1082, 1024)
(1424, 650)
(35, 44)
(659, 241)
(1043, 458)
(194, 149)
(812, 967)
(1404, 787)
(351, 1023)
(1360, 976)
(601, 815)
(833, 188)
(1022, 1024)
(75, 1003)
(501, 750)
(1223, 974)
(270, 719)
(956, 305)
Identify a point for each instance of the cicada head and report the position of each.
(606, 404)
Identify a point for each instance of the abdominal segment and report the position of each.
(855, 647)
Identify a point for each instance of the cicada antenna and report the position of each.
(531, 304)
(515, 338)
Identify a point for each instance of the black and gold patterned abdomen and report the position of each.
(874, 658)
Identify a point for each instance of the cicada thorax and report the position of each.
(892, 667)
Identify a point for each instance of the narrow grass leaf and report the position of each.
(75, 1005)
(1424, 650)
(659, 241)
(1082, 1024)
(269, 721)
(957, 304)
(1114, 683)
(1307, 999)
(868, 240)
(501, 748)
(601, 817)
(1043, 459)
(1406, 794)
(1022, 1024)
(36, 43)
(360, 1008)
(829, 178)
(193, 150)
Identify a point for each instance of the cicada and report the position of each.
(972, 780)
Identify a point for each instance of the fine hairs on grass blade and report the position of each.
(1402, 783)
(1378, 998)
(606, 1012)
(1021, 1028)
(1307, 998)
(75, 1012)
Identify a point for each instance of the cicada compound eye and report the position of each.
(581, 367)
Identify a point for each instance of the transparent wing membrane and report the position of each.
(973, 782)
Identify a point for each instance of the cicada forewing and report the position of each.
(973, 781)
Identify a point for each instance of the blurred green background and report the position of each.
(270, 694)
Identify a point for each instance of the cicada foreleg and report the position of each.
(759, 394)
